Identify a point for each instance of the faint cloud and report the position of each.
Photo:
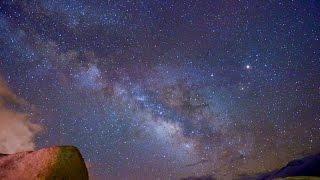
(17, 132)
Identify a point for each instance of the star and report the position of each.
(179, 88)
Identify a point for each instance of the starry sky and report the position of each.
(168, 89)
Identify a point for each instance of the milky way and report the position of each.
(165, 89)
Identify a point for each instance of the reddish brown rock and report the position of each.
(61, 162)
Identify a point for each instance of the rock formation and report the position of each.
(307, 166)
(61, 162)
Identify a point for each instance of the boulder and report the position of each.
(60, 162)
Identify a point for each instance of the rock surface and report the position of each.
(60, 162)
(199, 178)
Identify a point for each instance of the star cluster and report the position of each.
(168, 89)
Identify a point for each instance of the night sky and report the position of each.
(168, 89)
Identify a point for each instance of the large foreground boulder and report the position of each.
(61, 162)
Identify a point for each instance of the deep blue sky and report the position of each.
(169, 89)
